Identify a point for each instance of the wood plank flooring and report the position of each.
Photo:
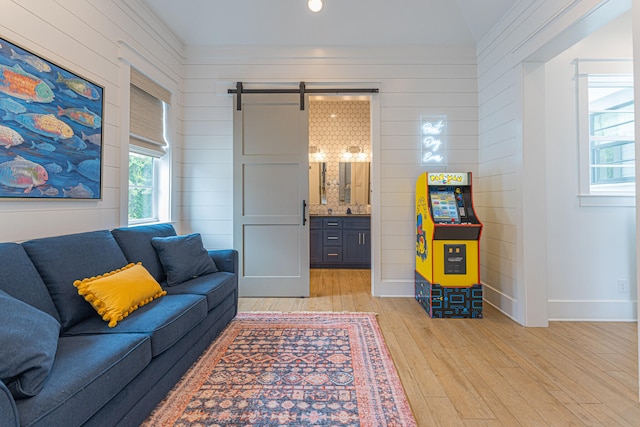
(491, 371)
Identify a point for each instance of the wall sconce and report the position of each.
(315, 5)
(315, 154)
(354, 152)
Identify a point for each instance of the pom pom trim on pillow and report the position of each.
(116, 294)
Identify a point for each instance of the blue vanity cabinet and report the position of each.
(340, 242)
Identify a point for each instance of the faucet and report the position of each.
(357, 207)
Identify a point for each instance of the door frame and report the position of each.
(375, 105)
(374, 123)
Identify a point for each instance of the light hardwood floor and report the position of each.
(490, 371)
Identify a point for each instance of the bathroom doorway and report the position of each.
(340, 160)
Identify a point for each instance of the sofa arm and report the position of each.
(225, 259)
(8, 411)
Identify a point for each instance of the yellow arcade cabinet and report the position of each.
(447, 276)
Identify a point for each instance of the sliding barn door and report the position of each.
(271, 185)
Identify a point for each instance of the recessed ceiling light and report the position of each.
(315, 5)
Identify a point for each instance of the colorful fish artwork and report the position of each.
(79, 86)
(16, 82)
(22, 173)
(9, 137)
(82, 116)
(43, 124)
(51, 129)
(32, 60)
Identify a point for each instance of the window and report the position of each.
(142, 188)
(611, 132)
(148, 147)
(607, 133)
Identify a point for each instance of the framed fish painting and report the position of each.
(50, 129)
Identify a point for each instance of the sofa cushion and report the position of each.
(215, 287)
(20, 279)
(135, 242)
(28, 341)
(63, 259)
(166, 320)
(183, 257)
(88, 372)
(116, 294)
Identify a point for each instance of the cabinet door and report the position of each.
(366, 246)
(352, 246)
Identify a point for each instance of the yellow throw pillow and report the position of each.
(116, 294)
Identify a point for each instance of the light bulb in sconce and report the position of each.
(315, 5)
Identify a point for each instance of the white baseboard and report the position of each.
(395, 288)
(593, 311)
(500, 301)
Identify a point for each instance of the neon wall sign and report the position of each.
(433, 138)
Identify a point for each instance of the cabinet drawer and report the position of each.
(332, 237)
(357, 224)
(330, 223)
(332, 254)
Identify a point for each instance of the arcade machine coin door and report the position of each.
(447, 276)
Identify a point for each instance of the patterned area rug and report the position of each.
(291, 369)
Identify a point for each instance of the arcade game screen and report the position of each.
(444, 207)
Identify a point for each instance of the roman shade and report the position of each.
(147, 115)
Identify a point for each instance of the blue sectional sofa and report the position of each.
(62, 364)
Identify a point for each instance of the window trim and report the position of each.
(586, 195)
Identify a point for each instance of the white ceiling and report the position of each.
(341, 22)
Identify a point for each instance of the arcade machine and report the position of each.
(447, 280)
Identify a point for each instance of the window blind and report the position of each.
(146, 117)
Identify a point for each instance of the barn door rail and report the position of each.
(302, 90)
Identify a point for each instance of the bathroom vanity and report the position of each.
(340, 241)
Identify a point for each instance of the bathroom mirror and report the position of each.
(317, 183)
(354, 180)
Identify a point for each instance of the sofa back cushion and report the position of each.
(20, 279)
(135, 242)
(63, 259)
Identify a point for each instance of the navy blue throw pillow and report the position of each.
(183, 257)
(28, 343)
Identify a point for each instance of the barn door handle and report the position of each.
(304, 212)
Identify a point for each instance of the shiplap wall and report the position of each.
(511, 169)
(85, 37)
(413, 81)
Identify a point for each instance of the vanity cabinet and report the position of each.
(340, 241)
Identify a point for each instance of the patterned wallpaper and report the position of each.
(334, 126)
